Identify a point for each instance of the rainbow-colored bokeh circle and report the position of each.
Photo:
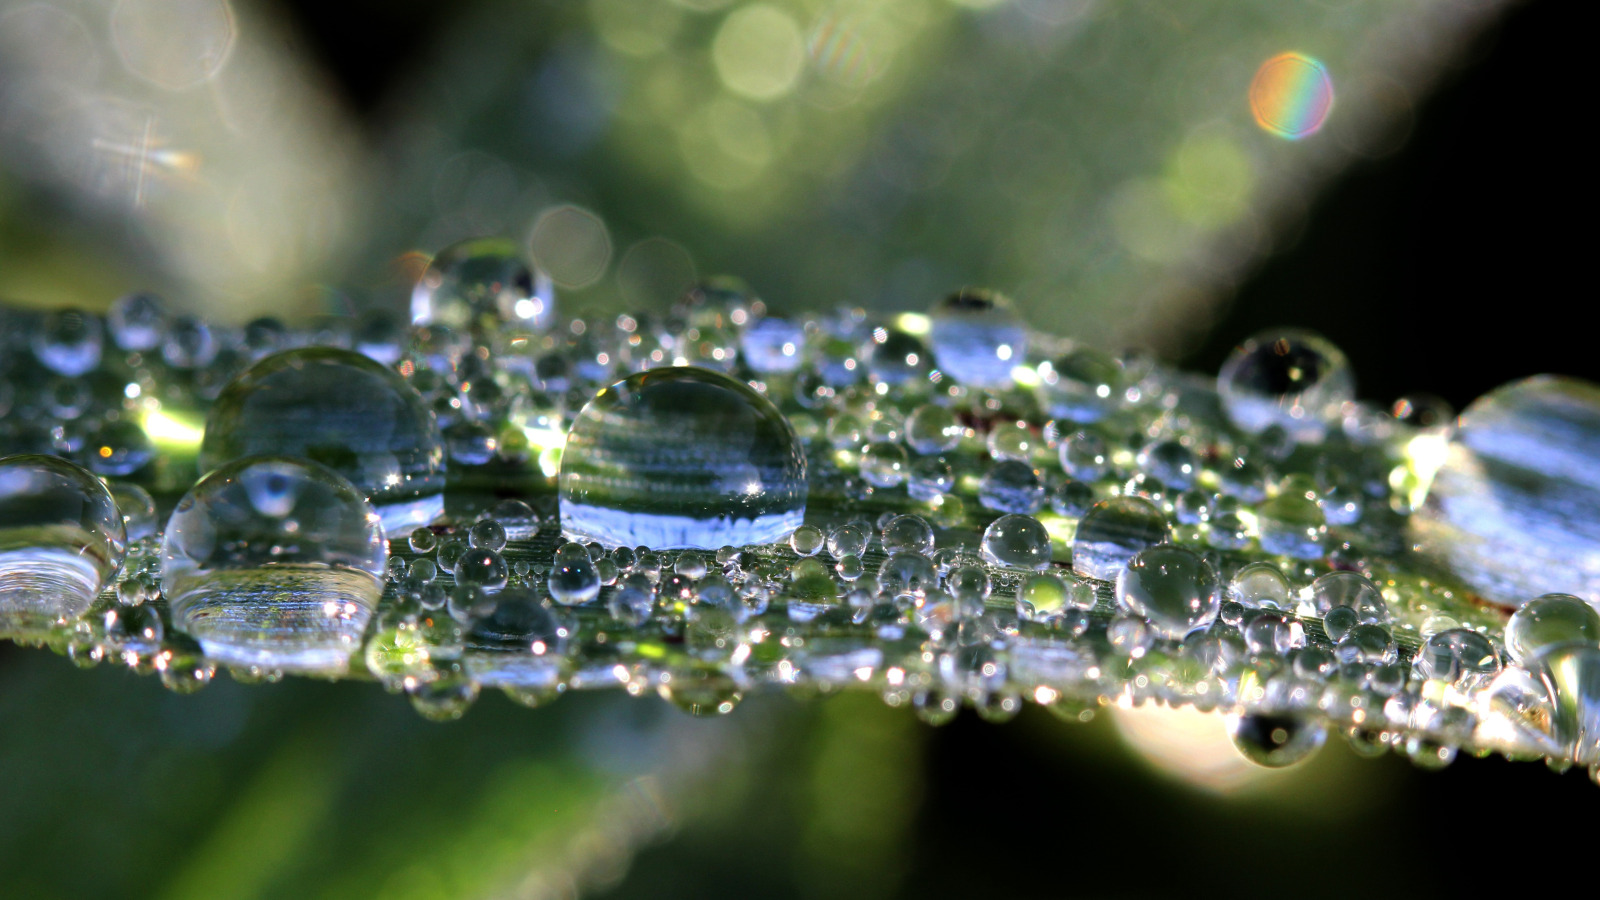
(1291, 95)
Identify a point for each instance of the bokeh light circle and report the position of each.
(1291, 95)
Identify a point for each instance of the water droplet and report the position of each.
(1171, 463)
(1292, 524)
(1571, 672)
(68, 342)
(895, 357)
(806, 540)
(1018, 542)
(573, 576)
(137, 322)
(1173, 589)
(908, 534)
(1044, 596)
(1276, 741)
(702, 692)
(1114, 531)
(1514, 510)
(274, 563)
(1085, 456)
(681, 457)
(341, 409)
(1352, 590)
(1082, 386)
(1456, 654)
(883, 464)
(773, 345)
(487, 534)
(61, 540)
(1012, 486)
(932, 429)
(977, 337)
(850, 539)
(1293, 379)
(1260, 585)
(1550, 621)
(1371, 644)
(482, 282)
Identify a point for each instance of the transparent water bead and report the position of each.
(681, 457)
(1514, 509)
(61, 540)
(482, 281)
(1260, 585)
(1276, 741)
(68, 342)
(977, 338)
(1018, 542)
(274, 563)
(1084, 386)
(1174, 589)
(773, 346)
(1290, 378)
(1551, 621)
(1114, 531)
(137, 322)
(342, 410)
(1456, 654)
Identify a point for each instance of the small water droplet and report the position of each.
(1174, 589)
(1294, 379)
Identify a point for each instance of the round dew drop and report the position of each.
(681, 457)
(342, 410)
(275, 563)
(61, 540)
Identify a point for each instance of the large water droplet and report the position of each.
(482, 281)
(1515, 508)
(1294, 379)
(1112, 532)
(1275, 741)
(61, 539)
(681, 457)
(1550, 621)
(977, 338)
(1173, 589)
(276, 563)
(341, 409)
(1017, 541)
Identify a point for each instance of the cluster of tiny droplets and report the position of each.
(991, 516)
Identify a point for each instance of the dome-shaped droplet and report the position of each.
(1352, 590)
(1276, 741)
(341, 409)
(773, 345)
(276, 563)
(61, 540)
(1551, 621)
(681, 457)
(895, 357)
(1515, 508)
(1011, 486)
(977, 338)
(482, 281)
(1286, 377)
(1083, 385)
(1172, 588)
(1017, 541)
(68, 342)
(1455, 654)
(1260, 585)
(137, 322)
(932, 429)
(1112, 532)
